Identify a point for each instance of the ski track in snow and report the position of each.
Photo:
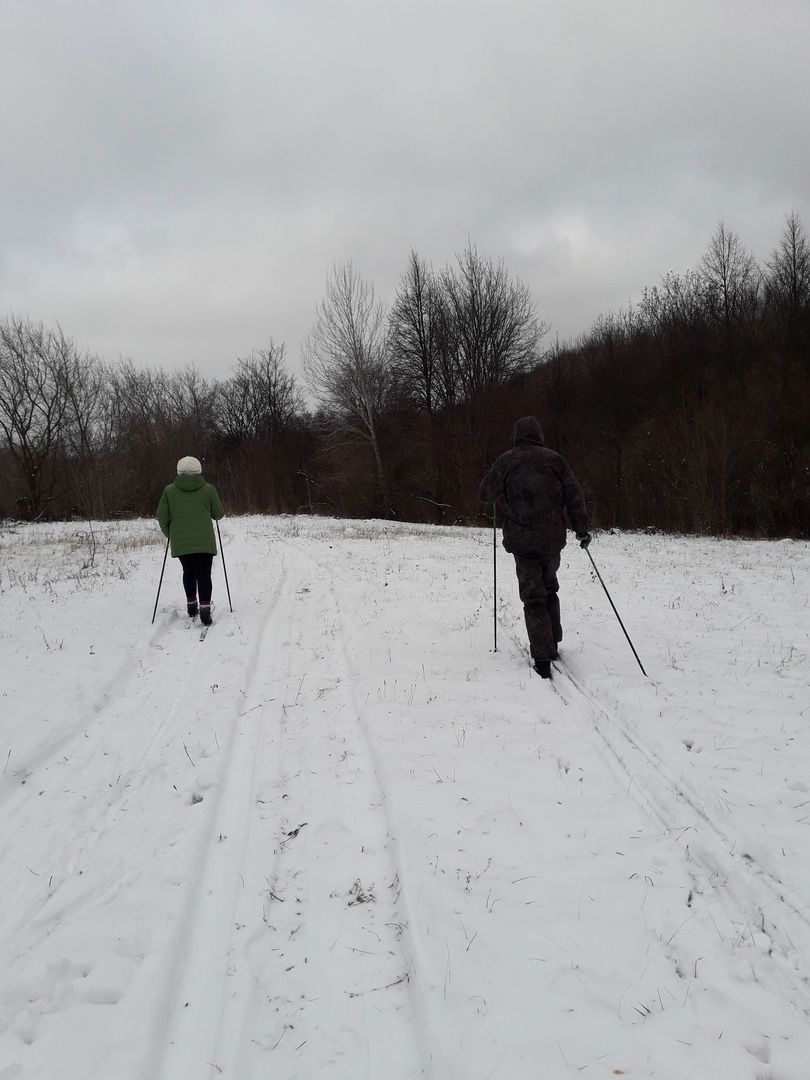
(79, 756)
(758, 902)
(339, 838)
(99, 710)
(200, 953)
(289, 814)
(755, 899)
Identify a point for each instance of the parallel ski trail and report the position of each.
(404, 900)
(190, 1013)
(756, 902)
(73, 822)
(91, 724)
(320, 988)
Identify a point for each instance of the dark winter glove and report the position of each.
(584, 539)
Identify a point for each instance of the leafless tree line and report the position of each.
(692, 404)
(450, 338)
(658, 405)
(89, 437)
(83, 437)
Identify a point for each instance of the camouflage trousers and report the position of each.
(538, 586)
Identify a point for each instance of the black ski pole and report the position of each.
(165, 553)
(224, 568)
(494, 577)
(615, 612)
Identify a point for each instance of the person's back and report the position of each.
(186, 512)
(192, 504)
(536, 487)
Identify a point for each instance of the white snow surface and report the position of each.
(343, 838)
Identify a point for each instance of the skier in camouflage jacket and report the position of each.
(536, 485)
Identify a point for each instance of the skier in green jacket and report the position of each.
(186, 512)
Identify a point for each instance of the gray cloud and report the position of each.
(178, 178)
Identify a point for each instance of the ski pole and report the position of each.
(615, 612)
(165, 553)
(224, 568)
(494, 577)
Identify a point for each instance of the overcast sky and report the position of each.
(177, 178)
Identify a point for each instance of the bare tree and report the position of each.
(261, 399)
(37, 368)
(142, 409)
(493, 324)
(674, 306)
(141, 403)
(424, 367)
(186, 411)
(234, 410)
(788, 280)
(730, 276)
(84, 439)
(189, 398)
(347, 362)
(418, 338)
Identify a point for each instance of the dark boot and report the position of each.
(191, 607)
(543, 668)
(205, 614)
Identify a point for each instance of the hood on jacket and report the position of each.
(528, 430)
(189, 483)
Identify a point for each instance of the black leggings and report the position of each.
(197, 575)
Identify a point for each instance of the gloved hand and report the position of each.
(584, 539)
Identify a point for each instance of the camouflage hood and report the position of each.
(528, 430)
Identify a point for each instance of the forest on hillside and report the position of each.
(686, 411)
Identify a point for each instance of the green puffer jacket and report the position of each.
(185, 514)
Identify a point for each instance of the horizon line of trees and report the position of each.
(686, 411)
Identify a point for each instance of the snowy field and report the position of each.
(343, 839)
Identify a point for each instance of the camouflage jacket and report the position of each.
(536, 485)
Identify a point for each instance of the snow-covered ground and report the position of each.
(343, 838)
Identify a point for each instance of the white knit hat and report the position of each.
(188, 466)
